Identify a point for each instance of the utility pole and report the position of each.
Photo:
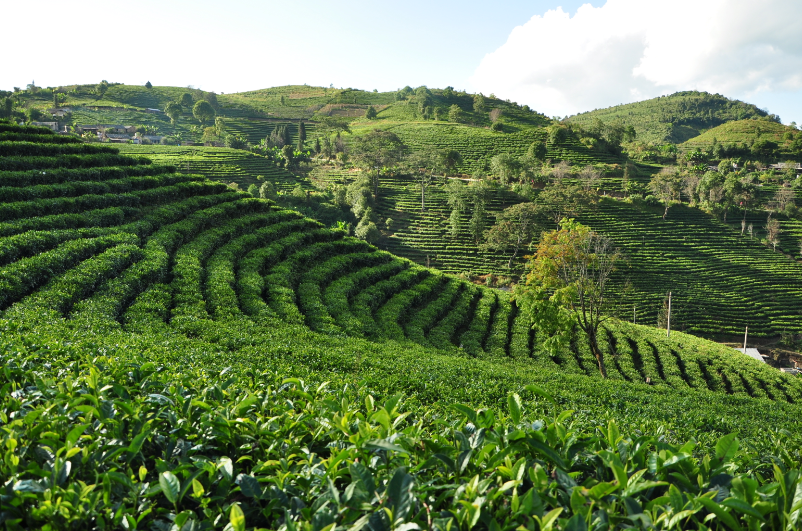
(668, 327)
(633, 314)
(746, 332)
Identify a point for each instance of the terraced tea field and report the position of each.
(477, 145)
(175, 352)
(120, 241)
(220, 164)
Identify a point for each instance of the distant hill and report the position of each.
(746, 132)
(675, 118)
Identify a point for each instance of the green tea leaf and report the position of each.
(541, 392)
(170, 486)
(249, 486)
(726, 447)
(237, 518)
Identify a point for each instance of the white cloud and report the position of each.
(629, 50)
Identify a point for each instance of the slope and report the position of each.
(166, 341)
(746, 132)
(675, 118)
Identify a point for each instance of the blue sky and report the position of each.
(559, 57)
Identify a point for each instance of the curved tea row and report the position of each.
(113, 241)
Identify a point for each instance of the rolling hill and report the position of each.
(675, 118)
(177, 353)
(745, 132)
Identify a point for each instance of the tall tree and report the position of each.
(173, 111)
(479, 193)
(457, 197)
(773, 231)
(377, 150)
(562, 198)
(479, 103)
(186, 100)
(566, 286)
(506, 167)
(203, 111)
(455, 114)
(666, 187)
(148, 85)
(514, 229)
(370, 114)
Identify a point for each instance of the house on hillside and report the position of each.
(153, 111)
(118, 138)
(754, 354)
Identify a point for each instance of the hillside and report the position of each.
(672, 119)
(169, 339)
(747, 132)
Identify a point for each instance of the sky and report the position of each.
(559, 57)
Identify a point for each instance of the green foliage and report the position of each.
(675, 118)
(173, 111)
(155, 325)
(455, 114)
(203, 111)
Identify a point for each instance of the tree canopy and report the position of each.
(203, 111)
(376, 150)
(514, 229)
(566, 285)
(173, 111)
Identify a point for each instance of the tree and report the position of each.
(479, 103)
(773, 231)
(457, 197)
(287, 153)
(367, 230)
(186, 100)
(514, 229)
(506, 167)
(424, 165)
(537, 150)
(455, 114)
(478, 193)
(203, 111)
(557, 134)
(566, 285)
(148, 85)
(302, 131)
(173, 111)
(376, 150)
(590, 178)
(783, 199)
(561, 198)
(765, 149)
(665, 186)
(370, 114)
(267, 190)
(211, 98)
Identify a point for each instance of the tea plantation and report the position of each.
(179, 355)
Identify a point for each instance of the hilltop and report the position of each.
(672, 119)
(745, 133)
